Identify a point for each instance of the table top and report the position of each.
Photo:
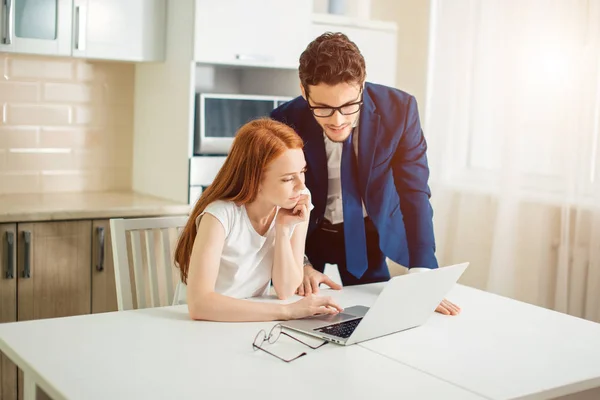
(496, 348)
(501, 348)
(160, 353)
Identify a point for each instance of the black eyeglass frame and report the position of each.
(334, 109)
(274, 334)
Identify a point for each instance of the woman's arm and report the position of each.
(205, 304)
(288, 270)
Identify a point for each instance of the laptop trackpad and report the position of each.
(348, 314)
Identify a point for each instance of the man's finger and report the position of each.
(315, 285)
(442, 310)
(301, 289)
(451, 307)
(307, 287)
(330, 283)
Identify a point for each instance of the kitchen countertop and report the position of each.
(89, 205)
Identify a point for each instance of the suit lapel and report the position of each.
(316, 157)
(368, 131)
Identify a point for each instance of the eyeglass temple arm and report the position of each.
(281, 358)
(300, 341)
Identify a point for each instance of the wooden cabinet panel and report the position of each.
(8, 304)
(104, 293)
(54, 269)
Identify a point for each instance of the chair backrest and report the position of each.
(152, 242)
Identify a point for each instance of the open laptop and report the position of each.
(407, 301)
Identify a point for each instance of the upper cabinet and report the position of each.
(126, 30)
(267, 33)
(36, 26)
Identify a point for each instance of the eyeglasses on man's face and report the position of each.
(326, 111)
(274, 334)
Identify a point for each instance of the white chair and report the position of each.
(152, 242)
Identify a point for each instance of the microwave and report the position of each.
(219, 116)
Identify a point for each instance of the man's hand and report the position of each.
(312, 279)
(448, 308)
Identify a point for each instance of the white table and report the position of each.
(502, 349)
(496, 349)
(161, 354)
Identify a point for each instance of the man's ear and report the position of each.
(302, 90)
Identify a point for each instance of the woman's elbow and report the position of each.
(284, 293)
(281, 296)
(198, 310)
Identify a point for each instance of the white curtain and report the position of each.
(513, 116)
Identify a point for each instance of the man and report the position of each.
(367, 170)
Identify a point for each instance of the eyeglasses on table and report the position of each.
(274, 334)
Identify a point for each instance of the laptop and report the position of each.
(407, 301)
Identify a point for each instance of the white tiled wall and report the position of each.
(66, 125)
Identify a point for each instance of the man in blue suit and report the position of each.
(367, 170)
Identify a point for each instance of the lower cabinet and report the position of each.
(48, 270)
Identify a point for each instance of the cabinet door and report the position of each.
(104, 293)
(54, 269)
(132, 30)
(269, 33)
(378, 47)
(37, 27)
(8, 304)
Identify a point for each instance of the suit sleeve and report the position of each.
(277, 115)
(411, 175)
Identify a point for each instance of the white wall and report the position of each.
(412, 17)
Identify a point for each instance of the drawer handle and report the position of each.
(27, 255)
(10, 259)
(100, 236)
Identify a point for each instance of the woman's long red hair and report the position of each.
(255, 146)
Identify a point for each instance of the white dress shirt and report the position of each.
(334, 210)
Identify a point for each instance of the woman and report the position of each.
(248, 228)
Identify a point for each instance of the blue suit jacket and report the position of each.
(393, 171)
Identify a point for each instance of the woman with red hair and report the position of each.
(248, 229)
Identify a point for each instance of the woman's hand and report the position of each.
(295, 215)
(312, 305)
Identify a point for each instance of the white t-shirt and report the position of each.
(247, 257)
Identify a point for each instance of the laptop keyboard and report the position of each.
(343, 329)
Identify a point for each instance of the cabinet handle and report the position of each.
(77, 27)
(8, 22)
(253, 57)
(27, 255)
(10, 259)
(100, 236)
(80, 22)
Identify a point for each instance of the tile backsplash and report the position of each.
(66, 125)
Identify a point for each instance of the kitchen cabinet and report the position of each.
(53, 266)
(267, 33)
(104, 289)
(132, 30)
(36, 27)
